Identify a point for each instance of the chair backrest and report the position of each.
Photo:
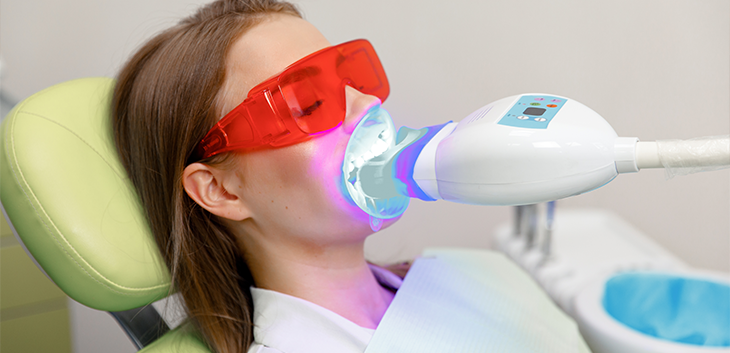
(70, 202)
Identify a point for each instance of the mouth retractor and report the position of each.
(378, 164)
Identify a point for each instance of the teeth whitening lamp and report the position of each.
(533, 148)
(519, 150)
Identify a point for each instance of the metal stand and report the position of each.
(143, 325)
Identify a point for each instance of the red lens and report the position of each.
(314, 87)
(314, 98)
(360, 64)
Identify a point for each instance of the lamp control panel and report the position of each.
(533, 111)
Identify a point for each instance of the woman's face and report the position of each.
(294, 192)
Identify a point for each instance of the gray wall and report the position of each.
(655, 69)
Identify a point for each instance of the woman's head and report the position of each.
(204, 216)
(167, 95)
(291, 194)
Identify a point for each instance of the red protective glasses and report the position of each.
(306, 98)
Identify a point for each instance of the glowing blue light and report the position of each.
(371, 189)
(406, 159)
(378, 165)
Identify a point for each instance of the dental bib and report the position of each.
(465, 300)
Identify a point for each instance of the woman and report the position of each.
(270, 218)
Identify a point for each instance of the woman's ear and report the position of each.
(206, 185)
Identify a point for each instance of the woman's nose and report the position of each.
(357, 104)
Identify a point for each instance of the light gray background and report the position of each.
(656, 69)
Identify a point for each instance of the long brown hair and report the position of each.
(164, 102)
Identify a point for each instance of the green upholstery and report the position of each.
(70, 201)
(180, 340)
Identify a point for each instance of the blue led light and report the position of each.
(406, 159)
(370, 185)
(378, 164)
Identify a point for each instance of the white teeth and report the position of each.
(379, 147)
(376, 149)
(359, 162)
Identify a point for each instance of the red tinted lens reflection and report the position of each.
(316, 102)
(362, 72)
(314, 87)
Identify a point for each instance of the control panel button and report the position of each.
(551, 105)
(539, 99)
(522, 117)
(556, 100)
(540, 119)
(535, 104)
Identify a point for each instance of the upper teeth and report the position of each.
(376, 149)
(359, 161)
(379, 147)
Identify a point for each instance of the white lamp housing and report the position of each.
(523, 149)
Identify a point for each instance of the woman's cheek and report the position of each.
(327, 160)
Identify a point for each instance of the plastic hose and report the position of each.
(682, 157)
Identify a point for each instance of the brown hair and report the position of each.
(164, 102)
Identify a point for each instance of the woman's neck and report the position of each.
(334, 277)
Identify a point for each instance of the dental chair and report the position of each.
(71, 206)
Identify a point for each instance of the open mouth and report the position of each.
(367, 177)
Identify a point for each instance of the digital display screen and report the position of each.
(534, 111)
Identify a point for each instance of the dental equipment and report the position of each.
(520, 150)
(661, 304)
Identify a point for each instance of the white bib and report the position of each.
(461, 300)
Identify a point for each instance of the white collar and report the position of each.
(292, 325)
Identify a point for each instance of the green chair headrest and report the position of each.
(69, 199)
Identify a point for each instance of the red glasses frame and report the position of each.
(305, 98)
